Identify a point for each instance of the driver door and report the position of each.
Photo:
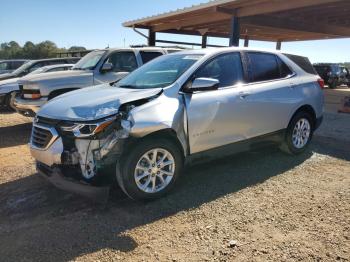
(122, 63)
(215, 117)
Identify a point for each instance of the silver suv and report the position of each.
(97, 67)
(177, 108)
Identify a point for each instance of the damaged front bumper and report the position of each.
(80, 167)
(56, 177)
(28, 107)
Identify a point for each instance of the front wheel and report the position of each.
(8, 101)
(150, 169)
(299, 134)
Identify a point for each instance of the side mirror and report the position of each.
(107, 67)
(204, 84)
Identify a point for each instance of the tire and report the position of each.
(128, 173)
(7, 103)
(297, 146)
(334, 84)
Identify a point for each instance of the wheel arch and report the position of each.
(167, 133)
(58, 92)
(308, 109)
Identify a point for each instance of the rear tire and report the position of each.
(299, 134)
(143, 175)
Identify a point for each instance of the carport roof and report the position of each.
(267, 20)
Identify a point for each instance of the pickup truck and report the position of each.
(97, 67)
(9, 87)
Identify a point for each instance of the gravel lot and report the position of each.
(256, 206)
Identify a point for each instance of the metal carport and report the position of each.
(265, 20)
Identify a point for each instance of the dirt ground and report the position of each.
(254, 206)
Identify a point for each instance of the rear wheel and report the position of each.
(299, 133)
(150, 169)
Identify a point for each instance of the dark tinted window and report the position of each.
(263, 67)
(284, 69)
(226, 68)
(37, 65)
(4, 66)
(16, 64)
(148, 56)
(303, 62)
(122, 61)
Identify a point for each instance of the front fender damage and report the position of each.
(135, 120)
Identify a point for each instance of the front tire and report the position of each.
(299, 134)
(150, 169)
(8, 99)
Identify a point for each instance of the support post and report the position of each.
(204, 41)
(246, 41)
(235, 31)
(151, 38)
(278, 45)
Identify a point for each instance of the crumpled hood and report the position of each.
(56, 76)
(93, 103)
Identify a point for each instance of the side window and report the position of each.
(57, 69)
(3, 66)
(226, 68)
(36, 66)
(284, 69)
(148, 56)
(122, 61)
(263, 67)
(16, 64)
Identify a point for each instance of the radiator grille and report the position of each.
(41, 137)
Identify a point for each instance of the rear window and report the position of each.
(148, 56)
(263, 67)
(303, 62)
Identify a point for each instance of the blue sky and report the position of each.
(97, 24)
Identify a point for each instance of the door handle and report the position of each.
(243, 95)
(292, 85)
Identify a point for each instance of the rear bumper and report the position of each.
(29, 107)
(55, 177)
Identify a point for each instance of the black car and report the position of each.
(332, 74)
(346, 75)
(35, 64)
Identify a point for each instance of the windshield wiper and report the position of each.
(128, 86)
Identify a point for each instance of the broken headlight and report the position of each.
(83, 130)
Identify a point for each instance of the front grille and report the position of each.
(41, 137)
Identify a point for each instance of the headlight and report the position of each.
(83, 130)
(31, 86)
(31, 91)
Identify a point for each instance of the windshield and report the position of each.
(38, 71)
(23, 68)
(89, 61)
(159, 73)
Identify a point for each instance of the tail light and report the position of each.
(320, 82)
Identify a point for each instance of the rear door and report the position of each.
(271, 94)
